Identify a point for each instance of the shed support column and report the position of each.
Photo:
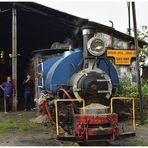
(14, 57)
(137, 64)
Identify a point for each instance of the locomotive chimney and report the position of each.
(87, 32)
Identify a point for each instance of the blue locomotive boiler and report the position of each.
(87, 72)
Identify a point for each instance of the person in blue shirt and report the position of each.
(7, 87)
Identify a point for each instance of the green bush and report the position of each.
(126, 90)
(130, 90)
(145, 87)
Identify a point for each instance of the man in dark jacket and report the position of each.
(28, 93)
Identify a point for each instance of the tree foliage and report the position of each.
(143, 35)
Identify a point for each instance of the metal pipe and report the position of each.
(112, 41)
(83, 106)
(14, 56)
(129, 18)
(44, 104)
(35, 78)
(137, 63)
(134, 119)
(69, 97)
(111, 105)
(57, 120)
(87, 32)
(112, 23)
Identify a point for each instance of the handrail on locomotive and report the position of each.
(65, 100)
(133, 107)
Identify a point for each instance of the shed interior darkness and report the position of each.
(34, 31)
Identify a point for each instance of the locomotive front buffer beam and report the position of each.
(90, 127)
(95, 128)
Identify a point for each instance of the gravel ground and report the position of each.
(45, 136)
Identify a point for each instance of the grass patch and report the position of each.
(140, 142)
(9, 125)
(24, 126)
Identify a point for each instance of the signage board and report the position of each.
(122, 57)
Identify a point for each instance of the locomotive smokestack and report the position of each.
(87, 32)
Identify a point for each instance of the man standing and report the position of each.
(28, 93)
(7, 87)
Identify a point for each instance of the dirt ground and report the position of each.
(45, 136)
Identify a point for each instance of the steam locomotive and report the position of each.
(81, 74)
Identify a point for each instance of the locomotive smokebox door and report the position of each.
(92, 85)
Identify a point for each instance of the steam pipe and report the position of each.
(129, 20)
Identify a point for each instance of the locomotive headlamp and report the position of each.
(96, 46)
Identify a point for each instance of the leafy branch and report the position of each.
(130, 90)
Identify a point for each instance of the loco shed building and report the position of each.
(27, 26)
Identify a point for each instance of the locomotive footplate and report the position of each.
(102, 138)
(126, 135)
(72, 138)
